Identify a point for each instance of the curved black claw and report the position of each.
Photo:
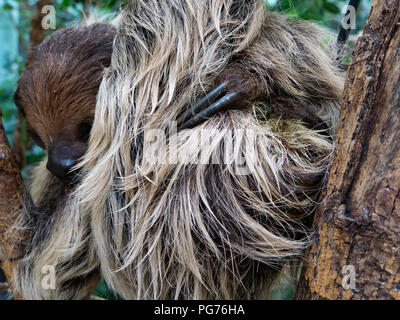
(197, 117)
(205, 101)
(207, 106)
(237, 88)
(227, 95)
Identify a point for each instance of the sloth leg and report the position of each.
(236, 90)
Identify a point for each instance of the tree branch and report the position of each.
(12, 241)
(358, 223)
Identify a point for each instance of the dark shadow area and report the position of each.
(4, 295)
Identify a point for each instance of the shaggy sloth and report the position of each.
(195, 225)
(57, 96)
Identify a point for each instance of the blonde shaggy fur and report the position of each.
(187, 230)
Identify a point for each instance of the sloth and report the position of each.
(246, 101)
(56, 94)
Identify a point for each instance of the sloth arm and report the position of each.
(236, 89)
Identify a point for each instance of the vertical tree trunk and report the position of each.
(12, 242)
(358, 223)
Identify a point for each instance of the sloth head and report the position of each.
(57, 92)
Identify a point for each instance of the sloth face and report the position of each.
(63, 133)
(57, 93)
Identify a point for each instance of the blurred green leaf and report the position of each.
(7, 7)
(104, 292)
(65, 3)
(331, 7)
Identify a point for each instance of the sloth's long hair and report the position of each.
(200, 229)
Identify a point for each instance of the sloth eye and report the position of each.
(84, 131)
(22, 111)
(35, 137)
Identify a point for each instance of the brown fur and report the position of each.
(57, 94)
(189, 230)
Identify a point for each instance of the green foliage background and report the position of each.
(325, 12)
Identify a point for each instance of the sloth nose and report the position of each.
(60, 161)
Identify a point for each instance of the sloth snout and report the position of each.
(61, 159)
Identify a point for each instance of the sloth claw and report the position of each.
(197, 114)
(235, 90)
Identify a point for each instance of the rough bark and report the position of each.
(11, 195)
(358, 223)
